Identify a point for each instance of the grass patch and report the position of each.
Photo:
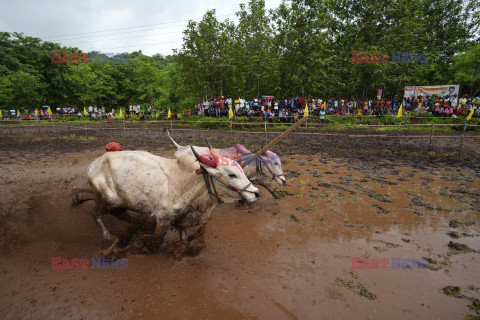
(356, 286)
(457, 248)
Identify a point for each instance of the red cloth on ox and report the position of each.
(113, 146)
(207, 161)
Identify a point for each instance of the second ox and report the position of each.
(267, 164)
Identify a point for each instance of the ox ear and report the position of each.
(213, 171)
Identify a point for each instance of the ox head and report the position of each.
(233, 182)
(275, 166)
(269, 162)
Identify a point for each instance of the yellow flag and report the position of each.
(85, 111)
(230, 113)
(18, 114)
(305, 112)
(169, 113)
(49, 111)
(399, 114)
(121, 113)
(471, 113)
(324, 104)
(36, 112)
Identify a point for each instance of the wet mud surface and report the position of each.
(344, 207)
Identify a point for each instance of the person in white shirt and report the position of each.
(229, 102)
(454, 102)
(242, 103)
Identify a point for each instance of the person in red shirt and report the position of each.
(217, 104)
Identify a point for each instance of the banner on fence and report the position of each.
(409, 92)
(442, 90)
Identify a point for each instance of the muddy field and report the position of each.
(364, 197)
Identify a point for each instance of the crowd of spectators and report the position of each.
(287, 108)
(283, 109)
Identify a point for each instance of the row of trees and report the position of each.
(301, 47)
(29, 79)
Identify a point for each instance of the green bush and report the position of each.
(394, 120)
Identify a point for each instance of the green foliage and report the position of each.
(301, 47)
(395, 120)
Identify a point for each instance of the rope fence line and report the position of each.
(145, 126)
(279, 132)
(104, 126)
(265, 123)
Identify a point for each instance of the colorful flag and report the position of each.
(400, 110)
(471, 113)
(324, 104)
(85, 113)
(305, 112)
(49, 111)
(230, 113)
(18, 114)
(36, 112)
(169, 113)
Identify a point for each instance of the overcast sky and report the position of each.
(112, 26)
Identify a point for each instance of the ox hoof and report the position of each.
(148, 243)
(113, 249)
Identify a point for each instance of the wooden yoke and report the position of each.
(280, 137)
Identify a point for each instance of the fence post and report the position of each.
(198, 132)
(124, 131)
(348, 136)
(266, 138)
(231, 132)
(431, 135)
(461, 140)
(398, 133)
(85, 124)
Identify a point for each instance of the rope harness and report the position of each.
(210, 185)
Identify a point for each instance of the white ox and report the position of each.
(173, 191)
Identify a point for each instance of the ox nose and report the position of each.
(257, 194)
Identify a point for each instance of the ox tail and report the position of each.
(77, 200)
(176, 144)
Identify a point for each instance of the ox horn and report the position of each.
(214, 154)
(280, 137)
(195, 152)
(209, 145)
(203, 160)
